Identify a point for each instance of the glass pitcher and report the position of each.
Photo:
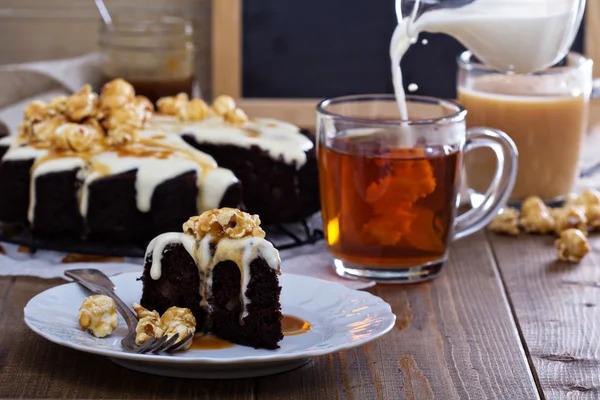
(519, 36)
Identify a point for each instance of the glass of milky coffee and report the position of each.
(545, 113)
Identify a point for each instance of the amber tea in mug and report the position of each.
(389, 188)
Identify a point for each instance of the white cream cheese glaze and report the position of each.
(212, 182)
(241, 251)
(48, 167)
(6, 141)
(279, 139)
(157, 246)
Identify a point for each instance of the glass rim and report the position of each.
(465, 62)
(458, 115)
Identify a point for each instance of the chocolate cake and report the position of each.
(84, 167)
(224, 271)
(274, 160)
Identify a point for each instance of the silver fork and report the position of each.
(97, 282)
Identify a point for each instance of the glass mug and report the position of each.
(545, 114)
(390, 188)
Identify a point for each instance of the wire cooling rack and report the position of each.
(283, 237)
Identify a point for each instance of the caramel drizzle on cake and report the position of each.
(102, 135)
(224, 123)
(225, 234)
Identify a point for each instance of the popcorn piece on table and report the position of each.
(592, 213)
(507, 222)
(572, 245)
(572, 216)
(586, 198)
(535, 216)
(98, 315)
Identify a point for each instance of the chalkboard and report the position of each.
(324, 48)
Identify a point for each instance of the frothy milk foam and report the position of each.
(508, 35)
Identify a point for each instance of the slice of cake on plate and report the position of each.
(224, 271)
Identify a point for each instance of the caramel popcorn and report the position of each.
(58, 105)
(236, 116)
(570, 217)
(506, 222)
(535, 216)
(87, 122)
(586, 198)
(179, 320)
(122, 135)
(82, 104)
(149, 325)
(127, 115)
(43, 132)
(572, 245)
(98, 315)
(174, 320)
(194, 110)
(76, 137)
(223, 104)
(36, 111)
(170, 104)
(592, 213)
(116, 93)
(144, 108)
(228, 222)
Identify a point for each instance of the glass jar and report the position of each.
(154, 52)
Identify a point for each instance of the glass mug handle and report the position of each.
(502, 183)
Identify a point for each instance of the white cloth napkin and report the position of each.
(43, 80)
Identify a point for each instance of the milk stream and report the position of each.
(521, 36)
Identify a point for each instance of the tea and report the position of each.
(385, 207)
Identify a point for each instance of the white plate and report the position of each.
(341, 318)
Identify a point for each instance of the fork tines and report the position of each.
(163, 344)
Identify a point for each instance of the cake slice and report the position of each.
(224, 271)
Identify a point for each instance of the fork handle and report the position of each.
(130, 318)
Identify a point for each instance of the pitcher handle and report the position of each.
(502, 184)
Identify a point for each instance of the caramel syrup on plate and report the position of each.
(290, 325)
(24, 249)
(76, 257)
(209, 342)
(293, 326)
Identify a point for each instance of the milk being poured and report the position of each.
(507, 35)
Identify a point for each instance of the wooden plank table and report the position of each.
(504, 321)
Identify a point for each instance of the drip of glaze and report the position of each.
(279, 139)
(240, 251)
(157, 247)
(156, 158)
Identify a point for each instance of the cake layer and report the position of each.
(277, 139)
(178, 286)
(273, 189)
(112, 196)
(261, 328)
